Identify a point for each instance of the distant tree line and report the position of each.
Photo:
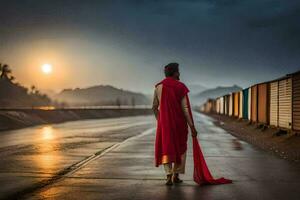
(13, 94)
(6, 72)
(120, 102)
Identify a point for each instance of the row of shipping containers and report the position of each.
(275, 103)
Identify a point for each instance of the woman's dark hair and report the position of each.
(171, 69)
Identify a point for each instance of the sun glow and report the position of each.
(46, 68)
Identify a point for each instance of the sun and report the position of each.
(46, 68)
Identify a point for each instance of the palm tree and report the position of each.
(1, 67)
(12, 78)
(5, 71)
(33, 88)
(37, 92)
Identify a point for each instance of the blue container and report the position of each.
(245, 103)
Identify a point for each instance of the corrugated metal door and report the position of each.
(241, 102)
(214, 105)
(218, 106)
(221, 105)
(296, 102)
(249, 104)
(230, 105)
(274, 104)
(207, 107)
(225, 105)
(202, 108)
(254, 103)
(236, 104)
(262, 103)
(285, 103)
(245, 103)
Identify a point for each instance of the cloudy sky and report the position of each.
(126, 43)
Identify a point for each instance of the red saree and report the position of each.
(172, 131)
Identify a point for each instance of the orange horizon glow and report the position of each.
(46, 68)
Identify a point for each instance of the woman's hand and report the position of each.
(194, 131)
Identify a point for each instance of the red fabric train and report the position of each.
(202, 175)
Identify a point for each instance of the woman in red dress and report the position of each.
(172, 110)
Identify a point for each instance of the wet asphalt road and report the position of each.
(32, 157)
(126, 171)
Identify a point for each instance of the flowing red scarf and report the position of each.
(172, 130)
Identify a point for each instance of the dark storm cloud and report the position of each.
(285, 24)
(244, 40)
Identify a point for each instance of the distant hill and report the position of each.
(196, 88)
(213, 93)
(101, 95)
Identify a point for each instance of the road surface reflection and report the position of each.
(47, 157)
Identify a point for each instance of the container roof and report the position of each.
(283, 77)
(270, 81)
(292, 74)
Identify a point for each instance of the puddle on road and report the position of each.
(47, 133)
(237, 145)
(47, 157)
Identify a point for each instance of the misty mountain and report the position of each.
(196, 88)
(49, 93)
(101, 95)
(213, 93)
